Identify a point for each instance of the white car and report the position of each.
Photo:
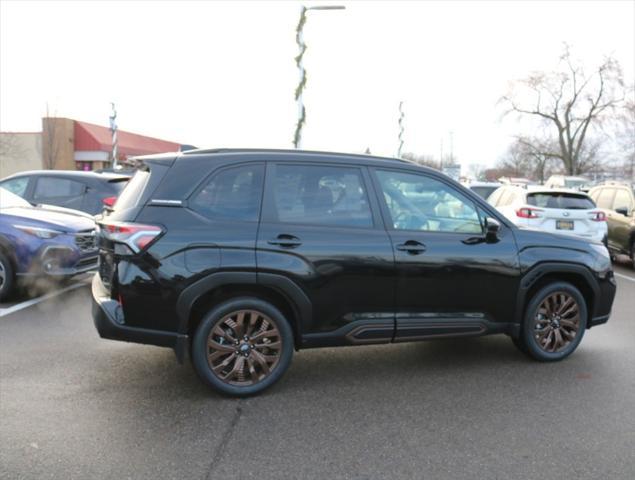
(563, 211)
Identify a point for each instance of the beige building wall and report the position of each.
(58, 143)
(20, 152)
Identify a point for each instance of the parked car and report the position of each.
(617, 201)
(88, 192)
(38, 242)
(240, 257)
(562, 211)
(483, 189)
(567, 181)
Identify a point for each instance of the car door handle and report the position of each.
(286, 241)
(412, 247)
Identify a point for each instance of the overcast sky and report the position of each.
(222, 74)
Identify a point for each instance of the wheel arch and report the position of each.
(544, 274)
(198, 298)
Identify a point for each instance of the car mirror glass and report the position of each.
(622, 211)
(492, 229)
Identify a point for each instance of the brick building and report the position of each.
(67, 144)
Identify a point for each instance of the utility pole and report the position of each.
(113, 131)
(299, 39)
(400, 136)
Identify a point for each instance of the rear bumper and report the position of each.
(111, 324)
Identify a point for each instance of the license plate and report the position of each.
(564, 224)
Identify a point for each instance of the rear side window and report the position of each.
(321, 195)
(566, 201)
(49, 187)
(231, 194)
(605, 198)
(131, 194)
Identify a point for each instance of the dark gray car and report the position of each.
(88, 192)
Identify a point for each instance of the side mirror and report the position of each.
(492, 228)
(622, 211)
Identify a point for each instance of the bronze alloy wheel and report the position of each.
(557, 322)
(244, 347)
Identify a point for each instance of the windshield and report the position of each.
(566, 201)
(8, 200)
(575, 182)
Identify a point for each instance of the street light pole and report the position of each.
(299, 39)
(113, 131)
(400, 136)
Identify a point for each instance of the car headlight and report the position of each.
(601, 250)
(39, 232)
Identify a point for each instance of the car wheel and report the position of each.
(242, 347)
(7, 277)
(554, 323)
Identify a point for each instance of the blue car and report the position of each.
(42, 242)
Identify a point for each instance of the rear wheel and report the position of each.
(554, 323)
(7, 277)
(242, 347)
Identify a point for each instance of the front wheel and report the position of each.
(242, 347)
(7, 277)
(554, 323)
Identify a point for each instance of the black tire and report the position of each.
(537, 327)
(7, 277)
(264, 375)
(519, 343)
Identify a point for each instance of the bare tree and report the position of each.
(571, 103)
(425, 160)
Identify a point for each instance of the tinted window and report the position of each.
(567, 201)
(232, 194)
(418, 202)
(622, 199)
(605, 198)
(321, 195)
(16, 185)
(49, 187)
(132, 191)
(483, 192)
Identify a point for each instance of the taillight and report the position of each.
(109, 201)
(598, 216)
(526, 212)
(135, 235)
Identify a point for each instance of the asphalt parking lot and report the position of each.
(75, 406)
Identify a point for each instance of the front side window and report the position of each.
(321, 195)
(418, 202)
(16, 186)
(231, 194)
(49, 187)
(622, 200)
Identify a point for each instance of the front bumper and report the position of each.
(110, 323)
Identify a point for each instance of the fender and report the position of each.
(283, 285)
(535, 273)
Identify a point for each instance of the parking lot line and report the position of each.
(624, 276)
(34, 301)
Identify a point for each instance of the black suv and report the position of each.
(618, 202)
(240, 257)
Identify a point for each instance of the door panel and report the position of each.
(320, 230)
(453, 282)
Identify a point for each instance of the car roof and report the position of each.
(288, 154)
(483, 184)
(556, 190)
(70, 174)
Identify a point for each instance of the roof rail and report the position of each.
(288, 151)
